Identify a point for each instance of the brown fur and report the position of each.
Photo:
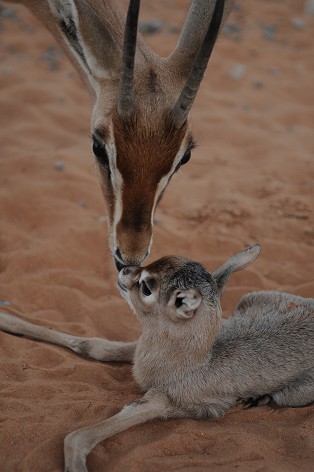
(91, 33)
(150, 148)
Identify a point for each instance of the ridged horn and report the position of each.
(190, 89)
(126, 98)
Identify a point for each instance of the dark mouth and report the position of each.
(119, 264)
(123, 288)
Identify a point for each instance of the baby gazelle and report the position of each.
(187, 361)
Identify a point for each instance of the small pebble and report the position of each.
(237, 71)
(52, 57)
(269, 31)
(232, 30)
(71, 75)
(258, 85)
(5, 303)
(8, 13)
(297, 23)
(150, 27)
(82, 203)
(273, 70)
(246, 107)
(103, 219)
(58, 165)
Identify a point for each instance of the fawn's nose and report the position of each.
(128, 276)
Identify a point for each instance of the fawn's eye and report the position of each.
(101, 153)
(145, 290)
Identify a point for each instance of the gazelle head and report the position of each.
(175, 288)
(140, 123)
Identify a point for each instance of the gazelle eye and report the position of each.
(101, 153)
(185, 158)
(145, 290)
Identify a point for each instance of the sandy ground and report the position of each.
(250, 180)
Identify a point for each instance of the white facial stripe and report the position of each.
(179, 156)
(116, 180)
(164, 181)
(98, 71)
(117, 184)
(115, 175)
(92, 63)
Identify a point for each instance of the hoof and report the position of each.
(252, 402)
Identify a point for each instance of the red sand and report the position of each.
(249, 180)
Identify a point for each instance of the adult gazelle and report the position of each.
(140, 123)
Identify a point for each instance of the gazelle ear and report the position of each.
(88, 38)
(237, 262)
(184, 303)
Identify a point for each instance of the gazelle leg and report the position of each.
(78, 445)
(299, 392)
(94, 348)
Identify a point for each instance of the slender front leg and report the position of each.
(94, 348)
(78, 445)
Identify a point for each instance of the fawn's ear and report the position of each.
(184, 303)
(90, 41)
(237, 262)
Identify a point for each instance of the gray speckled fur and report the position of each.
(265, 349)
(188, 361)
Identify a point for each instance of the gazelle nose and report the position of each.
(118, 260)
(121, 261)
(118, 264)
(118, 253)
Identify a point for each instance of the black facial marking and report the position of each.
(138, 217)
(68, 28)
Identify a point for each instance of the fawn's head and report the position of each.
(141, 130)
(176, 289)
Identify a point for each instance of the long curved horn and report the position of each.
(188, 94)
(125, 99)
